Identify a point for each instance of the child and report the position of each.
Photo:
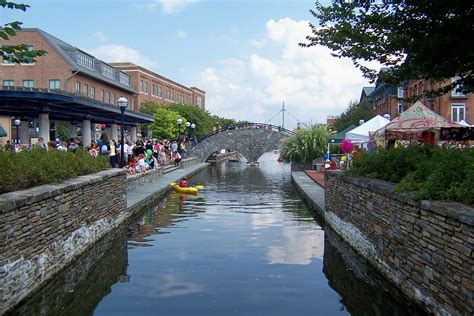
(132, 166)
(183, 183)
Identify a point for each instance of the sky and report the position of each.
(243, 53)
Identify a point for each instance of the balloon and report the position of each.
(149, 152)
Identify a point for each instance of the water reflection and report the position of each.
(246, 244)
(81, 286)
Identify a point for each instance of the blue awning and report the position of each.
(3, 133)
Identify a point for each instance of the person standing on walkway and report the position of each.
(112, 154)
(40, 144)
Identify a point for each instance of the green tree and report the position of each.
(415, 39)
(16, 53)
(165, 126)
(353, 114)
(307, 144)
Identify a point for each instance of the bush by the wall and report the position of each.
(30, 168)
(307, 144)
(431, 173)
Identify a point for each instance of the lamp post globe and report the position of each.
(179, 122)
(387, 116)
(122, 104)
(188, 126)
(193, 128)
(17, 123)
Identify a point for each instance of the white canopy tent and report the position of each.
(464, 123)
(361, 134)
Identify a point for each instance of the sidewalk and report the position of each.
(313, 194)
(147, 193)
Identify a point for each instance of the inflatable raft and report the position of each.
(191, 190)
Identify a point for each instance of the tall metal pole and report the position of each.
(283, 115)
(122, 156)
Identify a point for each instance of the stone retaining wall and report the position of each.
(426, 248)
(44, 228)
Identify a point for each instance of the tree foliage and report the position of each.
(165, 126)
(353, 114)
(16, 53)
(415, 39)
(203, 120)
(307, 144)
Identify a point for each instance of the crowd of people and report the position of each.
(139, 156)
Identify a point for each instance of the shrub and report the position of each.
(306, 145)
(30, 168)
(429, 172)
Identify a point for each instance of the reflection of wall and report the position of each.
(81, 286)
(46, 227)
(424, 247)
(363, 290)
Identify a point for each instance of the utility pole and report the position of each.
(283, 115)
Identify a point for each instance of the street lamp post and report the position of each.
(179, 122)
(17, 123)
(193, 129)
(122, 103)
(188, 126)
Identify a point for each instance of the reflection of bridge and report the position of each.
(252, 140)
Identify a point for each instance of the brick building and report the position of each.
(156, 88)
(68, 70)
(394, 99)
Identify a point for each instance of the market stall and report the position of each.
(360, 134)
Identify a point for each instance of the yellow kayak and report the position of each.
(177, 188)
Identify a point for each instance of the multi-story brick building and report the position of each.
(153, 87)
(68, 70)
(394, 99)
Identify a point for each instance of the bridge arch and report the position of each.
(251, 140)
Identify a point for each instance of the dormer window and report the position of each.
(85, 61)
(108, 71)
(124, 78)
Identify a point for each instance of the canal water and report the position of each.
(245, 245)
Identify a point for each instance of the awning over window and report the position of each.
(3, 133)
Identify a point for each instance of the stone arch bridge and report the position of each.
(251, 140)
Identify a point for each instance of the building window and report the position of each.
(54, 84)
(8, 83)
(107, 96)
(160, 92)
(199, 101)
(85, 61)
(144, 86)
(6, 58)
(108, 71)
(28, 83)
(457, 92)
(29, 60)
(124, 78)
(93, 92)
(86, 89)
(113, 98)
(103, 95)
(457, 112)
(78, 87)
(400, 107)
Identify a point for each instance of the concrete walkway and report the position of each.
(147, 193)
(312, 193)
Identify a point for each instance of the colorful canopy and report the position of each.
(417, 118)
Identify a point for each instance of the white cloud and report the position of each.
(311, 82)
(181, 34)
(100, 36)
(119, 53)
(171, 6)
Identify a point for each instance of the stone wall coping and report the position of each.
(455, 210)
(12, 200)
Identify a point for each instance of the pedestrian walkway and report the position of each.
(317, 176)
(146, 193)
(312, 193)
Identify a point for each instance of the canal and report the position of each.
(245, 245)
